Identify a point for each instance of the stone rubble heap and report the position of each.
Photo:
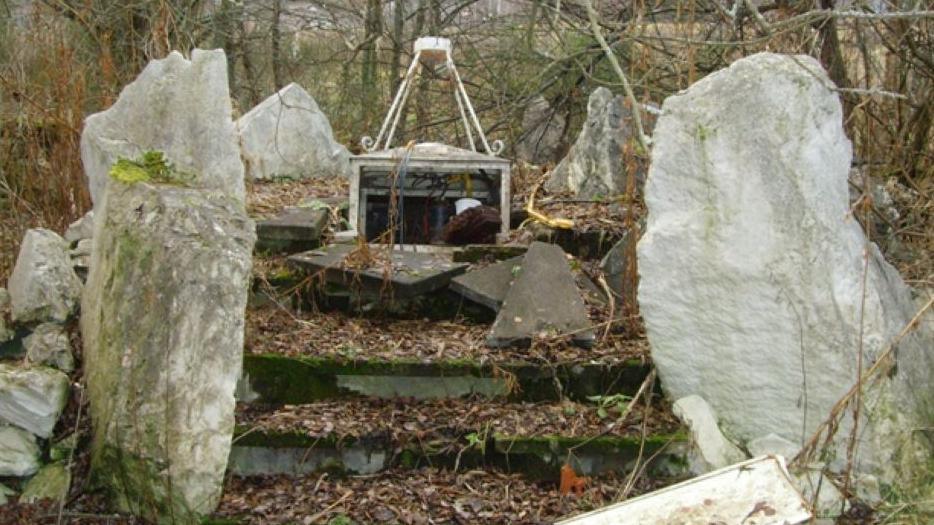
(34, 381)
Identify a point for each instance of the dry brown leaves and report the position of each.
(339, 335)
(265, 198)
(406, 419)
(411, 497)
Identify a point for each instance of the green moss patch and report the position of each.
(152, 166)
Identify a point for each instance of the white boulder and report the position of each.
(32, 398)
(287, 135)
(710, 450)
(756, 282)
(19, 454)
(43, 285)
(179, 107)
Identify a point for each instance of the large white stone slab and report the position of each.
(752, 284)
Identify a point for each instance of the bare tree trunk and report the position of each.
(276, 44)
(373, 24)
(398, 35)
(832, 57)
(224, 22)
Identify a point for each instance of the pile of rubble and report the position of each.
(44, 292)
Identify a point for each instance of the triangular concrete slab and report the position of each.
(543, 299)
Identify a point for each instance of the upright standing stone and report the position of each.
(162, 323)
(755, 280)
(43, 285)
(595, 165)
(179, 107)
(287, 135)
(542, 132)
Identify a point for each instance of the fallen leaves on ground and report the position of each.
(410, 497)
(277, 330)
(406, 419)
(266, 198)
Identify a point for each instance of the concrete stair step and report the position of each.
(279, 379)
(367, 436)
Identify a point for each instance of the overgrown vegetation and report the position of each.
(62, 60)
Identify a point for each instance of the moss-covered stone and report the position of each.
(50, 483)
(163, 345)
(294, 380)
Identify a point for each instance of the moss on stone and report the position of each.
(152, 166)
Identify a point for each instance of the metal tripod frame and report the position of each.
(460, 95)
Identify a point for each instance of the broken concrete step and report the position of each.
(276, 379)
(488, 286)
(542, 301)
(366, 436)
(411, 275)
(293, 230)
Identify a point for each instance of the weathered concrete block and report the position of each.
(163, 340)
(293, 230)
